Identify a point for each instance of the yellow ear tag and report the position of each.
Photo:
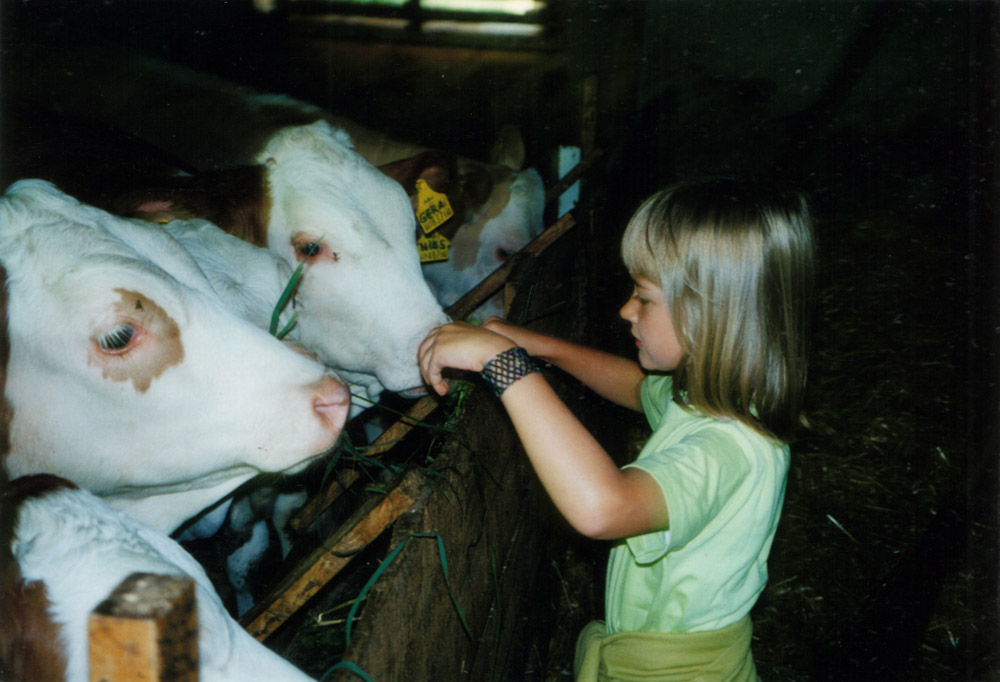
(433, 248)
(433, 208)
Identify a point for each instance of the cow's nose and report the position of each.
(332, 402)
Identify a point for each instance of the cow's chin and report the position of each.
(415, 392)
(309, 461)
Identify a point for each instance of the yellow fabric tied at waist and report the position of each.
(713, 656)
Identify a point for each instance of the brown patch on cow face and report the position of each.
(311, 249)
(144, 342)
(236, 199)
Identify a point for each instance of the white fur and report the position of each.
(238, 403)
(82, 549)
(249, 279)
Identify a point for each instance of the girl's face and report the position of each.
(652, 326)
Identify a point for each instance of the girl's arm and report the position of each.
(610, 376)
(596, 497)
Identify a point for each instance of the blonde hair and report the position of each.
(735, 262)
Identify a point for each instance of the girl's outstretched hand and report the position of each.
(458, 345)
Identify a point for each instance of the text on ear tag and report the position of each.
(433, 248)
(433, 208)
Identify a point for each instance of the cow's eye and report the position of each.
(117, 339)
(310, 249)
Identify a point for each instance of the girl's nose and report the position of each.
(626, 310)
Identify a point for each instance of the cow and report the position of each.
(213, 124)
(63, 551)
(129, 375)
(363, 303)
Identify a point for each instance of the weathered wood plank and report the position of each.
(331, 557)
(577, 172)
(145, 631)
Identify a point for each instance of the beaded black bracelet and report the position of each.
(506, 368)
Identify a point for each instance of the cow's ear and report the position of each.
(156, 211)
(508, 150)
(436, 168)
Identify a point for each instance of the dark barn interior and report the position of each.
(885, 563)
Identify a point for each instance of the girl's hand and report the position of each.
(460, 346)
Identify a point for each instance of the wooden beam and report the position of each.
(461, 308)
(578, 171)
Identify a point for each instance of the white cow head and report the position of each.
(363, 303)
(129, 376)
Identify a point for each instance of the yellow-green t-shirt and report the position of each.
(724, 484)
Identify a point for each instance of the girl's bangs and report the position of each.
(639, 247)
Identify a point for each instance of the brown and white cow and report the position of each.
(363, 303)
(211, 123)
(129, 375)
(63, 551)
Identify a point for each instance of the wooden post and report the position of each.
(146, 630)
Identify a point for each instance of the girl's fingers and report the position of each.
(456, 345)
(429, 368)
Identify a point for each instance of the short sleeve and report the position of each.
(697, 476)
(656, 394)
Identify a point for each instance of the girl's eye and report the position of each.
(310, 249)
(117, 339)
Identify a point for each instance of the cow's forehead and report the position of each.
(351, 205)
(77, 272)
(82, 253)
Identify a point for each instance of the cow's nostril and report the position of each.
(503, 255)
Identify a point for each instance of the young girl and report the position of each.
(722, 273)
